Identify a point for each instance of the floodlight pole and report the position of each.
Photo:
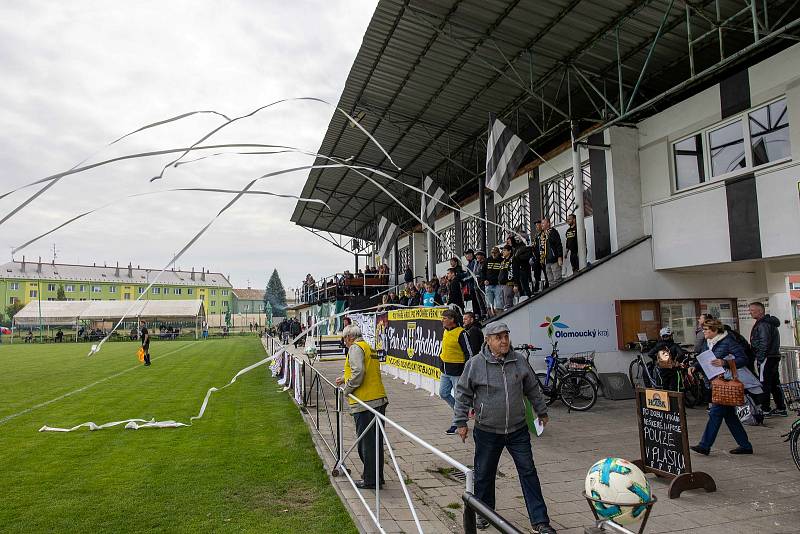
(577, 180)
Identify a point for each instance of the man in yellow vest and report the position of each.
(455, 347)
(362, 379)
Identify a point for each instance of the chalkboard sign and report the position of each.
(664, 440)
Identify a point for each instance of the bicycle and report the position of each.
(791, 394)
(644, 375)
(639, 372)
(573, 388)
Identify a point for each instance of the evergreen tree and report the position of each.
(276, 295)
(60, 293)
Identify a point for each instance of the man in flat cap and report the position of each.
(495, 383)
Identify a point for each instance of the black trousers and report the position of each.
(573, 260)
(366, 447)
(146, 353)
(772, 384)
(523, 280)
(537, 276)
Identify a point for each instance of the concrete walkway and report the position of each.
(759, 493)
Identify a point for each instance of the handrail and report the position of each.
(473, 504)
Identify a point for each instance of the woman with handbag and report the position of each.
(727, 390)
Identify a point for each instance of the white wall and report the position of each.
(629, 276)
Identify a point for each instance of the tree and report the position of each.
(275, 295)
(60, 293)
(12, 309)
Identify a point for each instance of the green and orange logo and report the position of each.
(551, 323)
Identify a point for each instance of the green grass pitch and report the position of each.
(248, 466)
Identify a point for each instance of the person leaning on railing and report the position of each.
(362, 379)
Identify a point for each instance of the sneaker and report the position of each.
(544, 528)
(451, 430)
(700, 450)
(481, 523)
(776, 413)
(741, 450)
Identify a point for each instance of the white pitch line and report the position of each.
(84, 388)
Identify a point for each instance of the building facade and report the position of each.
(248, 301)
(22, 282)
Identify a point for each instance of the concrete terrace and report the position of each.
(756, 493)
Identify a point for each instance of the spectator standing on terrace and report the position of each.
(495, 383)
(468, 278)
(571, 245)
(522, 268)
(413, 298)
(536, 261)
(494, 291)
(766, 342)
(431, 297)
(481, 267)
(506, 277)
(472, 328)
(454, 289)
(552, 252)
(408, 275)
(362, 379)
(455, 347)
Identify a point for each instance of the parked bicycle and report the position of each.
(643, 374)
(573, 387)
(791, 394)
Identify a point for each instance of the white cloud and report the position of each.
(78, 74)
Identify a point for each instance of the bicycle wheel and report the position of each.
(548, 389)
(638, 374)
(794, 445)
(577, 392)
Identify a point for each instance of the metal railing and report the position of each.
(473, 506)
(790, 364)
(321, 396)
(340, 284)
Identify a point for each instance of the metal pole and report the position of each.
(377, 471)
(619, 75)
(482, 210)
(577, 180)
(689, 39)
(754, 14)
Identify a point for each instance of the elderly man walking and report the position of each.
(495, 383)
(362, 379)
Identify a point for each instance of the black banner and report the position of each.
(411, 339)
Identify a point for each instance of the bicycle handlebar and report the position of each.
(527, 347)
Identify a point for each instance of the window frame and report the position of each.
(705, 138)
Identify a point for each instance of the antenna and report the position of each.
(55, 253)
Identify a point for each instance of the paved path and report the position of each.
(759, 493)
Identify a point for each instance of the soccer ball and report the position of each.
(617, 482)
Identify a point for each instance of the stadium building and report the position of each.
(676, 125)
(23, 282)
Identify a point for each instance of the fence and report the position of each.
(790, 364)
(324, 405)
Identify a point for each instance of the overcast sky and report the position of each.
(78, 74)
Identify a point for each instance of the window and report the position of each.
(83, 289)
(213, 303)
(769, 133)
(177, 291)
(13, 300)
(681, 317)
(96, 300)
(514, 214)
(727, 148)
(722, 309)
(96, 289)
(112, 289)
(141, 290)
(69, 288)
(190, 291)
(446, 244)
(127, 296)
(754, 138)
(470, 233)
(33, 293)
(689, 167)
(224, 303)
(70, 300)
(50, 299)
(224, 292)
(202, 297)
(213, 292)
(82, 299)
(156, 290)
(51, 287)
(795, 286)
(404, 257)
(14, 286)
(558, 196)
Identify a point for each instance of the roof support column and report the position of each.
(577, 181)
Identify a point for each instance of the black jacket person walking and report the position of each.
(766, 342)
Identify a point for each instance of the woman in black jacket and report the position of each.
(725, 348)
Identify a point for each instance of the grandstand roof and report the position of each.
(55, 312)
(119, 275)
(428, 75)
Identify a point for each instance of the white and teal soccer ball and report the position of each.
(618, 482)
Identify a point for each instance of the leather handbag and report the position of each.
(728, 392)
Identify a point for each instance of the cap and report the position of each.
(495, 328)
(666, 331)
(480, 253)
(469, 251)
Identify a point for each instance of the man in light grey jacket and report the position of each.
(496, 383)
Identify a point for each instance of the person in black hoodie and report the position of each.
(454, 294)
(522, 268)
(551, 252)
(765, 339)
(494, 293)
(472, 329)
